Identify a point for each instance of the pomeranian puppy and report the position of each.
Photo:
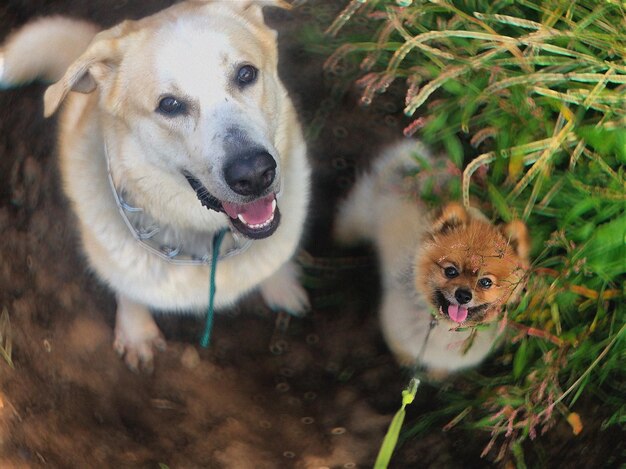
(441, 275)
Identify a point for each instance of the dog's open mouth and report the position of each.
(256, 220)
(459, 313)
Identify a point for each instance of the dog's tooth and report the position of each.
(258, 226)
(273, 206)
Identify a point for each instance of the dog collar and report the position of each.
(163, 241)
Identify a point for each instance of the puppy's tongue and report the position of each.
(457, 313)
(254, 213)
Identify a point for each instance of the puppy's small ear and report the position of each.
(452, 216)
(516, 234)
(91, 68)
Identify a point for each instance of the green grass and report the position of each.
(528, 98)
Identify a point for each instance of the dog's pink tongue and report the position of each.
(254, 213)
(457, 313)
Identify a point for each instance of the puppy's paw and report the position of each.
(136, 336)
(437, 375)
(283, 292)
(404, 359)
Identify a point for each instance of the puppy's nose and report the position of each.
(463, 296)
(251, 172)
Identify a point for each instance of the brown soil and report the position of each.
(318, 393)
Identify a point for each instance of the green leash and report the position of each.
(393, 432)
(408, 395)
(210, 313)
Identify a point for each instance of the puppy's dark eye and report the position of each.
(171, 106)
(485, 283)
(246, 75)
(451, 272)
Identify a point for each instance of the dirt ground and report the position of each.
(316, 393)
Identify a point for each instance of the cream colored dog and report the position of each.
(175, 127)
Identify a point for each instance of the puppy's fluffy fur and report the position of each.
(456, 268)
(173, 103)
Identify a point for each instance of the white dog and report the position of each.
(175, 127)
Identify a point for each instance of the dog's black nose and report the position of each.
(251, 172)
(463, 296)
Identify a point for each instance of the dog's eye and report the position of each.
(485, 282)
(171, 106)
(451, 272)
(246, 75)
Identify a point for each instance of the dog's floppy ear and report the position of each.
(516, 234)
(452, 216)
(102, 55)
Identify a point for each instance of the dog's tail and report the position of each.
(353, 221)
(356, 216)
(43, 50)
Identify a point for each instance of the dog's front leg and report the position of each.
(136, 335)
(283, 291)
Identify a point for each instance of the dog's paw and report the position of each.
(138, 354)
(136, 335)
(293, 300)
(283, 292)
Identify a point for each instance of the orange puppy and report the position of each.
(439, 277)
(469, 268)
